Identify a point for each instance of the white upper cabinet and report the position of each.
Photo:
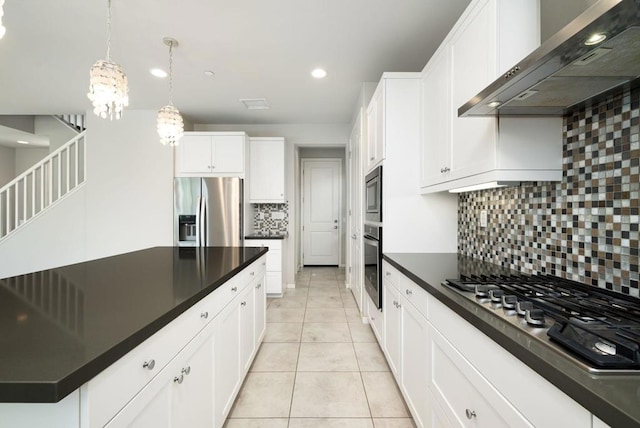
(266, 174)
(490, 37)
(211, 154)
(376, 128)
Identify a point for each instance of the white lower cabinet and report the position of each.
(239, 331)
(453, 375)
(213, 345)
(180, 395)
(493, 372)
(467, 398)
(415, 352)
(260, 306)
(227, 363)
(274, 263)
(374, 317)
(406, 343)
(392, 310)
(247, 331)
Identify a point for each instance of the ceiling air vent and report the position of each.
(255, 103)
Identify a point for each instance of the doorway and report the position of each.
(321, 212)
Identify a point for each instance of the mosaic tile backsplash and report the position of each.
(584, 228)
(270, 218)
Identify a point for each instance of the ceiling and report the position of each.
(256, 48)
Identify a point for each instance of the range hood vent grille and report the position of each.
(564, 74)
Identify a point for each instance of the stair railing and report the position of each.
(41, 186)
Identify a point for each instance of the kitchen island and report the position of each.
(612, 398)
(62, 328)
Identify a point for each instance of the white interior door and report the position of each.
(321, 211)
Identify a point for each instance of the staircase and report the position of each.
(73, 121)
(43, 185)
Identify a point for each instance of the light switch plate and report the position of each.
(483, 218)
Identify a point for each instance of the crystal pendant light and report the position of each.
(2, 28)
(170, 124)
(108, 87)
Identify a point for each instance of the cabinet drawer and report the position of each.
(407, 288)
(394, 276)
(466, 397)
(110, 390)
(236, 284)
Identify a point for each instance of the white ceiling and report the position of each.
(257, 49)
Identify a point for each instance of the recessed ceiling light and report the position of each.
(319, 73)
(255, 103)
(209, 73)
(158, 72)
(594, 39)
(22, 142)
(493, 104)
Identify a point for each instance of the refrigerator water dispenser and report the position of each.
(187, 228)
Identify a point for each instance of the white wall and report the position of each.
(25, 158)
(58, 134)
(7, 165)
(126, 203)
(296, 134)
(412, 223)
(55, 238)
(130, 185)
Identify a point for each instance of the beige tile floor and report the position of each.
(319, 365)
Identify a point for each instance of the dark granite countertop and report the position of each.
(61, 327)
(266, 236)
(612, 398)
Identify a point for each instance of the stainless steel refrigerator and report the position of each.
(208, 212)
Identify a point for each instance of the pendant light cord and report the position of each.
(109, 30)
(170, 73)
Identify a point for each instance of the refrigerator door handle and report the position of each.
(198, 221)
(204, 224)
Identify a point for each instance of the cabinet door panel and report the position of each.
(436, 136)
(267, 171)
(260, 302)
(464, 393)
(193, 398)
(247, 328)
(195, 154)
(392, 326)
(228, 154)
(473, 66)
(227, 359)
(150, 408)
(415, 357)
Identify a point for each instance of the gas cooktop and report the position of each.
(598, 329)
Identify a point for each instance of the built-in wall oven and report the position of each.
(373, 263)
(373, 196)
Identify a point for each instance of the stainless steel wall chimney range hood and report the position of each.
(572, 69)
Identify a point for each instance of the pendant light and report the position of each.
(2, 28)
(170, 124)
(108, 86)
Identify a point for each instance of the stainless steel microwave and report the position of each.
(373, 196)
